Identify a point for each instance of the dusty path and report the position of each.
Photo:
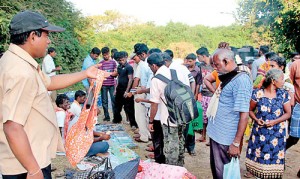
(200, 165)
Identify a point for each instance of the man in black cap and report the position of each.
(29, 136)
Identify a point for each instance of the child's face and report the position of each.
(65, 105)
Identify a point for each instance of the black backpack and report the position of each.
(180, 100)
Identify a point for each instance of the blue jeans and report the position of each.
(104, 95)
(189, 140)
(98, 147)
(295, 122)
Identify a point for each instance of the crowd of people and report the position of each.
(266, 90)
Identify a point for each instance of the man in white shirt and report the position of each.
(189, 81)
(173, 133)
(256, 64)
(80, 97)
(48, 67)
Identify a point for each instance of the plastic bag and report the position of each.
(232, 169)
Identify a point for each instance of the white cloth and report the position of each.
(75, 109)
(181, 70)
(141, 118)
(48, 65)
(60, 116)
(255, 65)
(213, 104)
(157, 92)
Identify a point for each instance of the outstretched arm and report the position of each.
(63, 81)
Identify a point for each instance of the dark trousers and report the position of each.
(291, 141)
(218, 158)
(104, 96)
(158, 142)
(189, 140)
(128, 104)
(46, 172)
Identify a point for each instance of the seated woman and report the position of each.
(98, 146)
(269, 108)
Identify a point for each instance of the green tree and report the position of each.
(276, 22)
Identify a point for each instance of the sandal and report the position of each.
(150, 149)
(201, 140)
(248, 175)
(192, 153)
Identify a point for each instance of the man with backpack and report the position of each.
(160, 95)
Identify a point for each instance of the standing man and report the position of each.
(173, 133)
(295, 119)
(90, 60)
(109, 65)
(125, 79)
(29, 135)
(195, 71)
(140, 112)
(48, 67)
(226, 130)
(189, 81)
(206, 68)
(262, 59)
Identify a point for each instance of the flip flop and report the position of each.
(150, 149)
(248, 175)
(201, 140)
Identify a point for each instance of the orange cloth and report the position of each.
(216, 76)
(80, 136)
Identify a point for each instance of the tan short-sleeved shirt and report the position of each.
(24, 100)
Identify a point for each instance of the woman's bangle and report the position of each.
(32, 174)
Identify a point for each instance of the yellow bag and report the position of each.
(248, 128)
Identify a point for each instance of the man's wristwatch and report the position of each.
(235, 144)
(150, 122)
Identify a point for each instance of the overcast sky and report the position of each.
(192, 12)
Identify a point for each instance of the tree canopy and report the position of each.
(275, 22)
(116, 30)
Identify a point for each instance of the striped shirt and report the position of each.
(109, 66)
(235, 98)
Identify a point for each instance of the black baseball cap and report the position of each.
(26, 21)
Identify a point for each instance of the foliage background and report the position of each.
(275, 22)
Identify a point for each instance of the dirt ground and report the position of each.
(200, 164)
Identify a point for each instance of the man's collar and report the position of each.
(160, 69)
(18, 51)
